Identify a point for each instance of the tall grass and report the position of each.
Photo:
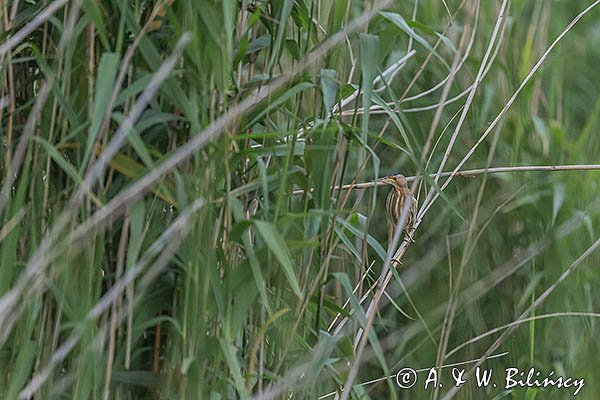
(190, 204)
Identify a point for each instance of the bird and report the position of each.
(159, 14)
(395, 204)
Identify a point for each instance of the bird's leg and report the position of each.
(390, 237)
(409, 236)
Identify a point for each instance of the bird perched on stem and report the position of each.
(394, 205)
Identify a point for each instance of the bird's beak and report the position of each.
(388, 179)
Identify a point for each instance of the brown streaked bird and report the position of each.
(395, 204)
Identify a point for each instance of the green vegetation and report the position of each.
(177, 214)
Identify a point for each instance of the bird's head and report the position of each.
(398, 181)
